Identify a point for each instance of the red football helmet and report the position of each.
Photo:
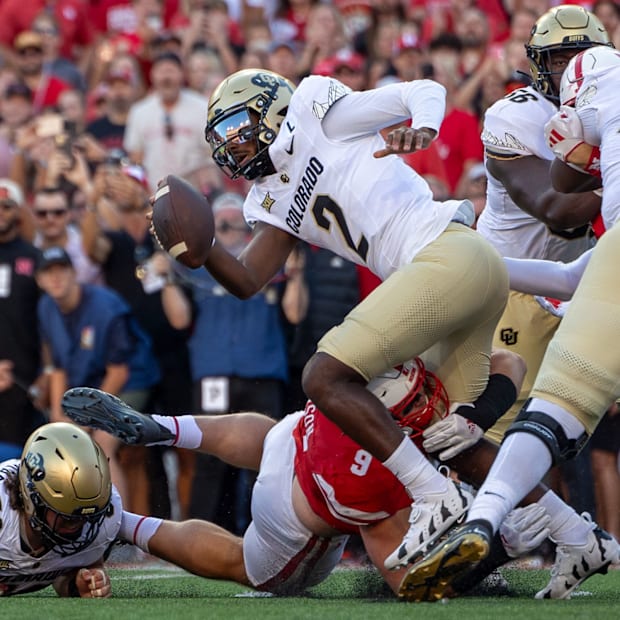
(415, 396)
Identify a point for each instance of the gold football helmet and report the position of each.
(248, 105)
(565, 27)
(64, 481)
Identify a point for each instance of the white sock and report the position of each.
(566, 526)
(138, 530)
(414, 471)
(519, 466)
(571, 425)
(186, 430)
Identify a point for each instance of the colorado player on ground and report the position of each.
(324, 174)
(580, 373)
(59, 515)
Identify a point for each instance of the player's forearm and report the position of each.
(366, 112)
(547, 278)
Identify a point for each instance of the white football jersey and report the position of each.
(19, 571)
(597, 107)
(334, 194)
(514, 128)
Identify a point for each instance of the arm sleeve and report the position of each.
(546, 278)
(367, 112)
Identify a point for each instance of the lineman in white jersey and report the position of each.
(59, 514)
(323, 174)
(524, 216)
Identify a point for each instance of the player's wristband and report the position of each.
(498, 397)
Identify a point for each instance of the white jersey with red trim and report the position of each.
(20, 572)
(598, 110)
(514, 128)
(332, 193)
(344, 484)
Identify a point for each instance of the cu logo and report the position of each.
(508, 336)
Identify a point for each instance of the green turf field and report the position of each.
(163, 593)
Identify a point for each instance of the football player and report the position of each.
(324, 174)
(315, 485)
(59, 515)
(524, 217)
(580, 374)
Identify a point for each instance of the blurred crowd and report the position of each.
(101, 99)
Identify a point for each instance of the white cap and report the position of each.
(9, 190)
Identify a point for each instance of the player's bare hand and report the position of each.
(93, 583)
(406, 140)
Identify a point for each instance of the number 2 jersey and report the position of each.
(343, 483)
(332, 192)
(20, 572)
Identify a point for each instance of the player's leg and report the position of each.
(235, 438)
(578, 379)
(425, 302)
(200, 547)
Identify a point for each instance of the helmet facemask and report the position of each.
(562, 29)
(415, 397)
(233, 123)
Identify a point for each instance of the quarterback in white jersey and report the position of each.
(324, 174)
(59, 514)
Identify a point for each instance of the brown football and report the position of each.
(183, 221)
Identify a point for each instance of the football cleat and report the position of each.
(430, 579)
(574, 564)
(103, 411)
(429, 519)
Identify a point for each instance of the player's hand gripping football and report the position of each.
(564, 136)
(451, 436)
(404, 139)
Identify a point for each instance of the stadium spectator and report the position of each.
(66, 553)
(15, 113)
(45, 88)
(19, 339)
(164, 130)
(93, 339)
(120, 94)
(324, 36)
(76, 33)
(51, 210)
(203, 71)
(62, 67)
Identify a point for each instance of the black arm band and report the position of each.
(492, 404)
(72, 589)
